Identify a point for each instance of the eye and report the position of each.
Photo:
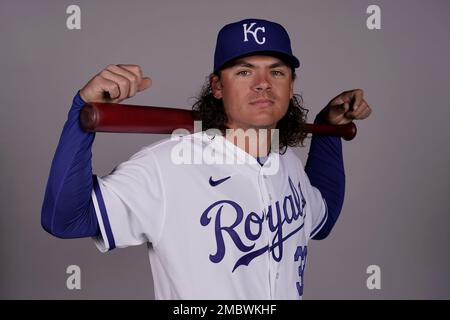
(243, 73)
(278, 73)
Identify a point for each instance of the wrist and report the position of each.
(321, 117)
(83, 96)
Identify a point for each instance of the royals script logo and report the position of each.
(289, 211)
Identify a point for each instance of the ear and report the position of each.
(216, 86)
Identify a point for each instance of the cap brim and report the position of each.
(289, 59)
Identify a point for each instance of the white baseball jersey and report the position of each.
(215, 231)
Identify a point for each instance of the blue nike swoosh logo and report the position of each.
(217, 182)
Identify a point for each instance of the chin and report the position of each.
(264, 124)
(265, 121)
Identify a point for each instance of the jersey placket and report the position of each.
(268, 196)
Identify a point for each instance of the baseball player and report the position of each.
(236, 224)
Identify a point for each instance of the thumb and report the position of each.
(337, 101)
(144, 84)
(342, 108)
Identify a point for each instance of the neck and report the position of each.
(255, 141)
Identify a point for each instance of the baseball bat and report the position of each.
(113, 117)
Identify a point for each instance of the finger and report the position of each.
(110, 87)
(343, 108)
(145, 84)
(135, 69)
(363, 112)
(341, 120)
(133, 78)
(360, 110)
(340, 99)
(345, 96)
(366, 113)
(122, 82)
(357, 98)
(349, 115)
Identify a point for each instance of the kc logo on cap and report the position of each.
(253, 36)
(253, 33)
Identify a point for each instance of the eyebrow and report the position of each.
(243, 63)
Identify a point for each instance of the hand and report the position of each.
(115, 83)
(346, 107)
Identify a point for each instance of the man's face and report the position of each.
(255, 91)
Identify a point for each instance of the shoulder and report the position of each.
(291, 157)
(164, 148)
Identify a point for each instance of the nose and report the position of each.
(262, 82)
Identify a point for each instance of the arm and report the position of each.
(325, 170)
(325, 165)
(68, 210)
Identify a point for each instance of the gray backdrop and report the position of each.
(396, 211)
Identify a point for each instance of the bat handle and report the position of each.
(345, 131)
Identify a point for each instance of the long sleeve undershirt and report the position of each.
(68, 210)
(325, 170)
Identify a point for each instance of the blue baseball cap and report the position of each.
(252, 36)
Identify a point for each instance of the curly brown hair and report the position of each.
(211, 112)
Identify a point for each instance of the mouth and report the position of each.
(262, 102)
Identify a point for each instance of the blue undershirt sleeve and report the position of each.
(67, 209)
(325, 170)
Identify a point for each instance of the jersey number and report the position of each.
(300, 255)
